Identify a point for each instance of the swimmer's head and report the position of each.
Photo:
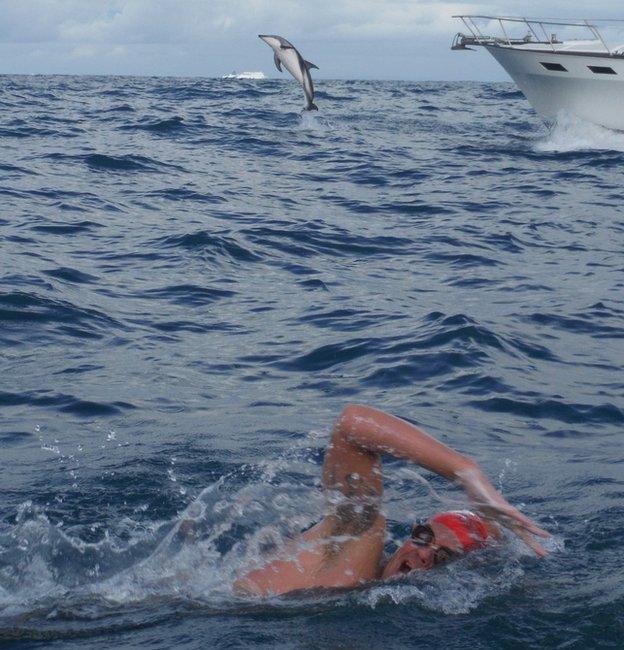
(441, 538)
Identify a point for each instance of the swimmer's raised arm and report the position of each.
(374, 431)
(361, 434)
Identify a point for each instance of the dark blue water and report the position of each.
(195, 280)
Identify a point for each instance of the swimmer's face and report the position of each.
(424, 551)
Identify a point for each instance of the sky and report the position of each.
(347, 39)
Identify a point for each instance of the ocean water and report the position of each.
(196, 279)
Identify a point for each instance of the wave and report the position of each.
(29, 132)
(126, 163)
(463, 260)
(180, 326)
(63, 403)
(66, 228)
(437, 345)
(71, 275)
(552, 409)
(581, 324)
(217, 245)
(13, 437)
(187, 294)
(17, 170)
(571, 134)
(169, 125)
(120, 108)
(185, 194)
(309, 239)
(22, 312)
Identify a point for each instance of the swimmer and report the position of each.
(345, 549)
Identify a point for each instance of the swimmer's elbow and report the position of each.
(467, 471)
(349, 412)
(349, 417)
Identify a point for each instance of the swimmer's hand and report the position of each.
(491, 503)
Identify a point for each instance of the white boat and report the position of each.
(244, 75)
(582, 78)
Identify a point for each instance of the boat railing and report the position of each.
(539, 31)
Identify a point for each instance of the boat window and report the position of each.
(553, 66)
(598, 69)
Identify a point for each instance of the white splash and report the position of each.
(230, 527)
(570, 133)
(312, 121)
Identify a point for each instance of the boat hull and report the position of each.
(596, 97)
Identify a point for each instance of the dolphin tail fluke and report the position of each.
(311, 107)
(310, 65)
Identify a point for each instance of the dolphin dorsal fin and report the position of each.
(278, 65)
(309, 65)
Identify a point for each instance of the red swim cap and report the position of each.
(468, 527)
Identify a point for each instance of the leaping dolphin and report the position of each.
(285, 53)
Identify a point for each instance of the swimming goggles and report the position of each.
(423, 535)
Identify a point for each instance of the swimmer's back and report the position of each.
(314, 559)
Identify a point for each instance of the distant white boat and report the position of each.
(584, 78)
(244, 75)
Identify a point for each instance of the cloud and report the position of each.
(175, 21)
(166, 21)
